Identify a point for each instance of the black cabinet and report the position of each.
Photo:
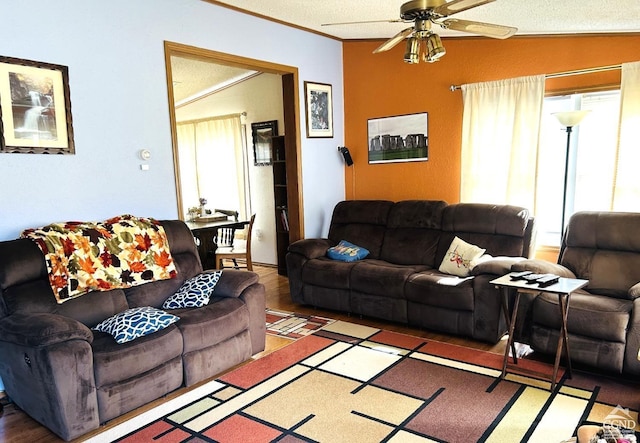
(280, 198)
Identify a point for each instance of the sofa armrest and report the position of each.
(233, 282)
(47, 369)
(495, 265)
(543, 267)
(311, 248)
(35, 330)
(634, 291)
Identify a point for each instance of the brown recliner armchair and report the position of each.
(603, 319)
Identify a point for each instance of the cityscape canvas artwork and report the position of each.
(401, 138)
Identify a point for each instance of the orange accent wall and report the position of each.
(380, 85)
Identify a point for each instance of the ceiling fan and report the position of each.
(424, 13)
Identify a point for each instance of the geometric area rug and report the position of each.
(353, 383)
(293, 325)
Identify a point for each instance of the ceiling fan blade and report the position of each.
(393, 40)
(397, 20)
(456, 6)
(486, 29)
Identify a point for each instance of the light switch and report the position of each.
(144, 167)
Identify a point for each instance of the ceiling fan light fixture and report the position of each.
(412, 54)
(434, 49)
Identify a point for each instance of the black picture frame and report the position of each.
(399, 138)
(35, 107)
(262, 134)
(319, 109)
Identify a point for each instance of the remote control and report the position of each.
(532, 278)
(519, 275)
(548, 280)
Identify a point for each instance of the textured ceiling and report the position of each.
(529, 16)
(194, 78)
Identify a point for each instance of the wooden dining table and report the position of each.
(205, 231)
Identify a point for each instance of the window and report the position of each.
(592, 156)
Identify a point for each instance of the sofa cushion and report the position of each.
(328, 273)
(135, 322)
(195, 292)
(424, 288)
(220, 320)
(596, 316)
(603, 247)
(187, 262)
(500, 229)
(361, 222)
(412, 232)
(377, 277)
(120, 252)
(345, 251)
(460, 258)
(115, 362)
(36, 297)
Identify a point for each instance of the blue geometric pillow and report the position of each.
(345, 251)
(195, 292)
(136, 322)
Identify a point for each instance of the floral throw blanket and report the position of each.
(120, 252)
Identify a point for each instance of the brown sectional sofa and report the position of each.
(398, 281)
(71, 378)
(604, 318)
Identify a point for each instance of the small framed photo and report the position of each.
(35, 108)
(400, 138)
(319, 110)
(263, 133)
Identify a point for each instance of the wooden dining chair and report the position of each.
(230, 249)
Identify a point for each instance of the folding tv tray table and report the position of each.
(563, 288)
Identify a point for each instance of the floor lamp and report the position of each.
(568, 119)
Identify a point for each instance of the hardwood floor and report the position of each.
(17, 427)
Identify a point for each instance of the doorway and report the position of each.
(290, 103)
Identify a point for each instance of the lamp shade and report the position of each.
(435, 50)
(570, 118)
(412, 55)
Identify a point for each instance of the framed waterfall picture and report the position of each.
(319, 110)
(35, 108)
(401, 138)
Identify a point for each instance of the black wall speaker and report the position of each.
(345, 153)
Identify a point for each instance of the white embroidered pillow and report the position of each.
(460, 258)
(195, 292)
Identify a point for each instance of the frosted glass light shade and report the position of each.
(570, 118)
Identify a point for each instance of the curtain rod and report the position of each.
(565, 73)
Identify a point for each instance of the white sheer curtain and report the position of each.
(626, 192)
(500, 130)
(211, 163)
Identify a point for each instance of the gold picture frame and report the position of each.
(35, 108)
(319, 109)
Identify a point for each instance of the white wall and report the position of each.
(115, 54)
(261, 98)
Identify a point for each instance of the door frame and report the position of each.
(291, 101)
